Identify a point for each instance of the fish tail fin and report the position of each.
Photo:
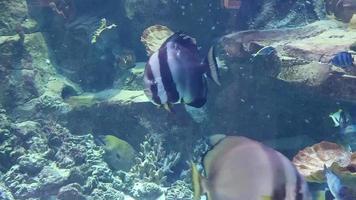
(213, 65)
(196, 180)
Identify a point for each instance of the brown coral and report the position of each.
(154, 36)
(311, 160)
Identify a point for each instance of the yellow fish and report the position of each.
(119, 154)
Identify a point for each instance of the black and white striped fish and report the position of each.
(176, 73)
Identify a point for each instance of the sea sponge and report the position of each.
(154, 36)
(311, 160)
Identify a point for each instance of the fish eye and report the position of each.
(118, 156)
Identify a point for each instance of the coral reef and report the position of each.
(153, 163)
(148, 177)
(13, 13)
(49, 161)
(136, 8)
(272, 15)
(319, 8)
(57, 86)
(266, 14)
(310, 161)
(180, 190)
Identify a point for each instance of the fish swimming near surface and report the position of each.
(343, 59)
(238, 168)
(119, 154)
(176, 73)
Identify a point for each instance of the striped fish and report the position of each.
(176, 73)
(343, 59)
(238, 168)
(338, 189)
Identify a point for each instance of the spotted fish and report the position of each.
(238, 168)
(176, 73)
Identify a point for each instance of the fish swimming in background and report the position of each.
(339, 190)
(336, 116)
(343, 59)
(266, 51)
(119, 154)
(333, 182)
(238, 168)
(176, 73)
(347, 123)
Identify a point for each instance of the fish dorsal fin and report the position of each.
(186, 39)
(216, 138)
(213, 154)
(182, 39)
